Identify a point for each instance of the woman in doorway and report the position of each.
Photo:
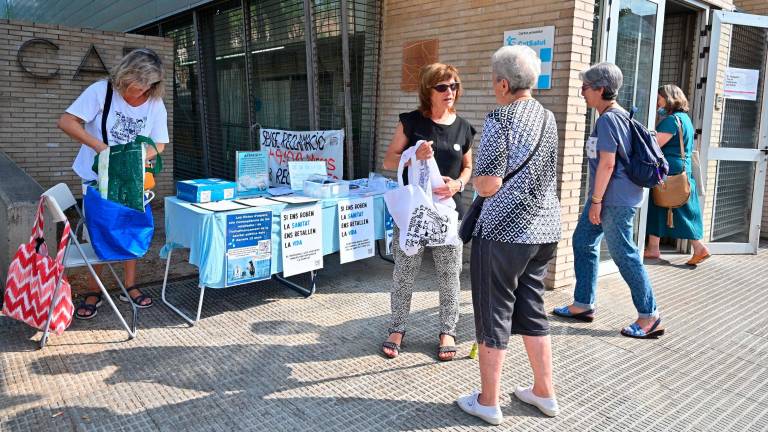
(687, 222)
(137, 109)
(449, 138)
(610, 211)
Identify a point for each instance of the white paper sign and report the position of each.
(302, 239)
(300, 171)
(286, 146)
(356, 229)
(541, 40)
(741, 83)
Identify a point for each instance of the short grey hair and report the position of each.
(141, 66)
(604, 75)
(518, 64)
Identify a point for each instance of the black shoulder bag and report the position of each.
(473, 213)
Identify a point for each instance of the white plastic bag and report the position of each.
(423, 218)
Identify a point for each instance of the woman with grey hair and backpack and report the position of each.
(515, 236)
(610, 210)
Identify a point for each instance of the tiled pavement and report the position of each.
(264, 359)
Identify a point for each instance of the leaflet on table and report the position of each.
(356, 229)
(256, 202)
(282, 190)
(251, 173)
(302, 239)
(249, 247)
(389, 231)
(300, 171)
(219, 206)
(294, 199)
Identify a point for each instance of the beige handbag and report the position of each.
(675, 191)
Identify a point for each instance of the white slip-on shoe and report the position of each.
(470, 405)
(548, 406)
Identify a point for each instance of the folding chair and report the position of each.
(58, 199)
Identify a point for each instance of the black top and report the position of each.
(450, 143)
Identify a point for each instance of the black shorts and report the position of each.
(508, 289)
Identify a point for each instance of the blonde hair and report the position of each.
(430, 75)
(674, 98)
(141, 66)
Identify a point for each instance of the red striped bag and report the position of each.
(32, 278)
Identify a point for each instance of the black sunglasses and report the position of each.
(442, 88)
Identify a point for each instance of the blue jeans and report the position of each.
(616, 226)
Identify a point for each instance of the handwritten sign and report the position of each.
(302, 239)
(356, 230)
(249, 247)
(286, 146)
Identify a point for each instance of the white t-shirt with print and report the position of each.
(123, 124)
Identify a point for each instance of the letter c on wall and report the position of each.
(45, 43)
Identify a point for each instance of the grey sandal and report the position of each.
(393, 346)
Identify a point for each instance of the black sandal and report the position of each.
(136, 300)
(90, 308)
(446, 349)
(393, 346)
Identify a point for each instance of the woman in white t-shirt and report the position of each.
(136, 109)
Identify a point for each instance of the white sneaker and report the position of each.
(470, 405)
(546, 405)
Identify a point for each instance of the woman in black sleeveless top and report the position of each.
(450, 140)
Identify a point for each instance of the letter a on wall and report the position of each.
(92, 62)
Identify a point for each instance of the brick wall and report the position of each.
(30, 106)
(468, 33)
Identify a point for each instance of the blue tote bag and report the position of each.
(117, 232)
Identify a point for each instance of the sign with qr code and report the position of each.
(302, 239)
(249, 247)
(356, 229)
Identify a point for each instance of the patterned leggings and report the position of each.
(448, 264)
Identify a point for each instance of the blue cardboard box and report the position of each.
(205, 190)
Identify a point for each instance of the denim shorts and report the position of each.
(508, 289)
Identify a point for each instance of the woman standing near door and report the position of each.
(687, 222)
(611, 210)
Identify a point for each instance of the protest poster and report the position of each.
(302, 239)
(248, 247)
(286, 146)
(356, 229)
(251, 173)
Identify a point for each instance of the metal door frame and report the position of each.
(758, 155)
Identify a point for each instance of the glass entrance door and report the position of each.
(735, 132)
(633, 43)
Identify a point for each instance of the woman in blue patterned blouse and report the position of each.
(516, 234)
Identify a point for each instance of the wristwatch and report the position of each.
(461, 189)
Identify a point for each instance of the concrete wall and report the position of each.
(30, 105)
(19, 195)
(468, 33)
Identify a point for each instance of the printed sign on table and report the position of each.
(249, 247)
(541, 40)
(356, 229)
(252, 173)
(286, 146)
(300, 171)
(741, 83)
(302, 239)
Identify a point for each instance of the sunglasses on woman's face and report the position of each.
(442, 88)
